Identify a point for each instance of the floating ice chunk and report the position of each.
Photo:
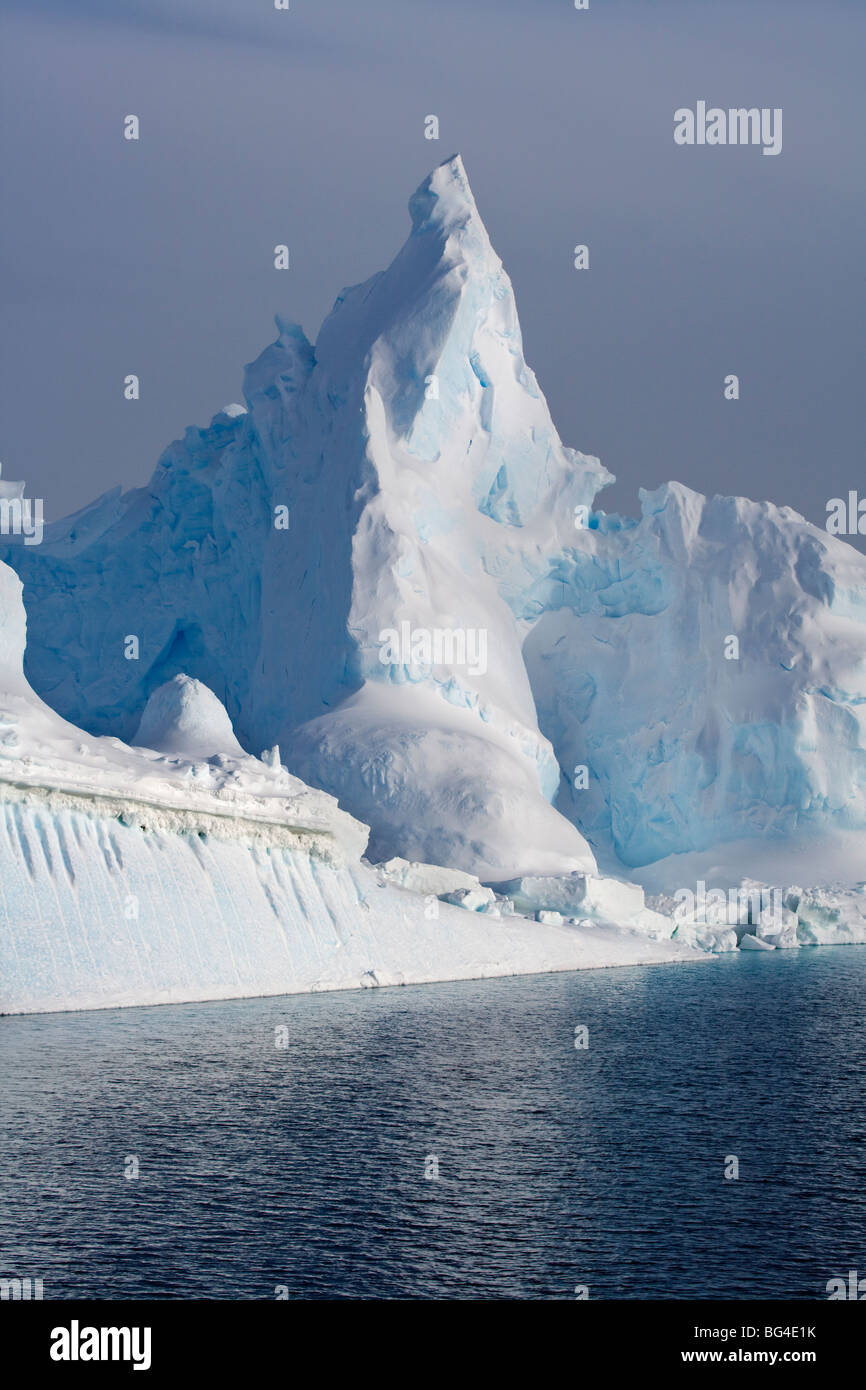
(785, 940)
(716, 940)
(832, 916)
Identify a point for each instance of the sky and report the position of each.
(306, 127)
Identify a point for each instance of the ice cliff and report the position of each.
(708, 665)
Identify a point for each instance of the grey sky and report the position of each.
(306, 127)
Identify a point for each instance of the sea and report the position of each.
(658, 1132)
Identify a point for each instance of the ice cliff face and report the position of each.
(388, 565)
(708, 666)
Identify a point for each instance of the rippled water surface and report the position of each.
(303, 1166)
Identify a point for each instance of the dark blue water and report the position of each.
(304, 1167)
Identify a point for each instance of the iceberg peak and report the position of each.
(444, 199)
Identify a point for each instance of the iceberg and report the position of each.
(644, 688)
(498, 704)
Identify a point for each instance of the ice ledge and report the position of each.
(311, 835)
